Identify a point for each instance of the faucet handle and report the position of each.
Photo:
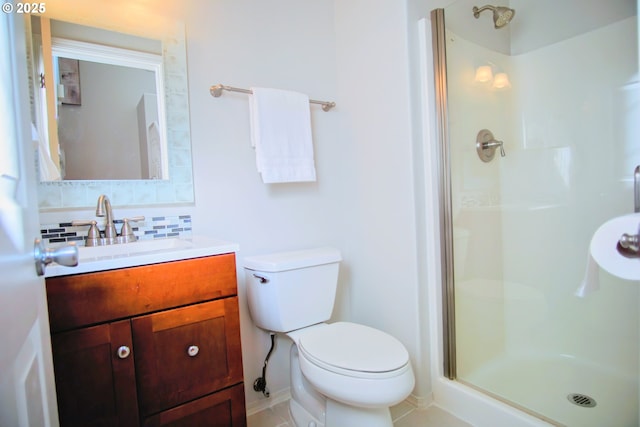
(126, 234)
(93, 236)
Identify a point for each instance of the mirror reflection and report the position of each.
(100, 105)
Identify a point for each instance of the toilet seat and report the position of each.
(354, 350)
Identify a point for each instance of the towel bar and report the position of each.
(216, 91)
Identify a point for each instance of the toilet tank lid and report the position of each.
(283, 261)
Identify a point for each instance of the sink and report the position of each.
(128, 249)
(142, 252)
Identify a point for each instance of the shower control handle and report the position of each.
(494, 145)
(486, 145)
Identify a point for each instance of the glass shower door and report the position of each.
(543, 136)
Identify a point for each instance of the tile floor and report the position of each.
(404, 415)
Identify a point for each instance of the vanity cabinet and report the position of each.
(154, 345)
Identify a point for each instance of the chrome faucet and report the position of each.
(104, 209)
(111, 236)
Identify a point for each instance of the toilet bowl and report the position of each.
(354, 364)
(343, 374)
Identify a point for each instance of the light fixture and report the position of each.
(501, 81)
(484, 74)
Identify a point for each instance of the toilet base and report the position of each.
(310, 409)
(341, 415)
(301, 417)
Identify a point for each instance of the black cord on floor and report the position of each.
(260, 384)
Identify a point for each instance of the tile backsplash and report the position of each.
(156, 227)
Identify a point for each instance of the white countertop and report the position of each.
(142, 253)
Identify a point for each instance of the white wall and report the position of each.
(354, 53)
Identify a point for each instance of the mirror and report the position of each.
(162, 105)
(110, 112)
(101, 116)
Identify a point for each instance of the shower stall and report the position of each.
(539, 127)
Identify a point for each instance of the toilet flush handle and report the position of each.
(261, 279)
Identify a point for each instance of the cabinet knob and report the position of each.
(124, 352)
(193, 350)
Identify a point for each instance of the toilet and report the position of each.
(343, 374)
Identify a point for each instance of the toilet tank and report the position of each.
(292, 290)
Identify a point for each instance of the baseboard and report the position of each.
(421, 402)
(284, 395)
(266, 403)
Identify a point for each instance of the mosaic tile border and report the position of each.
(157, 227)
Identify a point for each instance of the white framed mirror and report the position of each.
(164, 58)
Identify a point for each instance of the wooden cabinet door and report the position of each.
(186, 353)
(225, 408)
(95, 384)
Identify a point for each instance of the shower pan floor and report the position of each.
(546, 386)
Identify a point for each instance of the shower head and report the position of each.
(501, 15)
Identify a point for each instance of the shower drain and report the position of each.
(582, 400)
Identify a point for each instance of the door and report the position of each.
(27, 390)
(95, 376)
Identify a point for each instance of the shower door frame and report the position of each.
(444, 192)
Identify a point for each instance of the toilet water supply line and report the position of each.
(260, 384)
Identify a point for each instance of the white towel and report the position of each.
(281, 135)
(48, 169)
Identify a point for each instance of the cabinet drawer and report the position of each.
(185, 353)
(223, 409)
(92, 298)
